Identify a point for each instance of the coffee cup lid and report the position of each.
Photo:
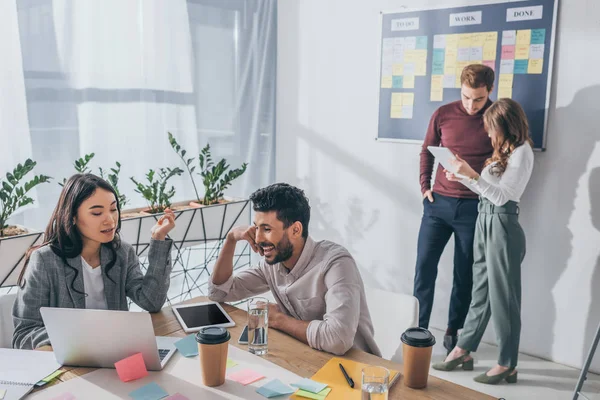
(212, 335)
(418, 337)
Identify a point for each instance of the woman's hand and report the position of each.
(451, 177)
(164, 225)
(463, 168)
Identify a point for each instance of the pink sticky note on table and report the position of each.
(65, 396)
(246, 376)
(177, 396)
(131, 368)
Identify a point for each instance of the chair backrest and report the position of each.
(6, 321)
(391, 313)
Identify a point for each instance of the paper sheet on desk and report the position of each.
(20, 370)
(181, 375)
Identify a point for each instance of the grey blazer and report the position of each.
(48, 284)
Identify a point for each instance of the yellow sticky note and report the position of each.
(449, 70)
(398, 69)
(504, 92)
(421, 68)
(535, 66)
(506, 81)
(477, 39)
(450, 55)
(524, 37)
(408, 99)
(457, 82)
(230, 363)
(408, 82)
(460, 65)
(410, 56)
(420, 55)
(396, 112)
(437, 82)
(386, 82)
(465, 40)
(522, 52)
(396, 99)
(451, 41)
(489, 51)
(490, 37)
(437, 94)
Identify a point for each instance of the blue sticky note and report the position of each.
(397, 82)
(439, 55)
(437, 67)
(150, 391)
(187, 346)
(421, 43)
(309, 385)
(538, 36)
(521, 66)
(274, 388)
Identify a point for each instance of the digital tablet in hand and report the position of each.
(444, 156)
(192, 317)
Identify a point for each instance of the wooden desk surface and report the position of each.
(289, 353)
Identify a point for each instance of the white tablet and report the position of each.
(192, 317)
(444, 156)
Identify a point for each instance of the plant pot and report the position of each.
(195, 204)
(12, 254)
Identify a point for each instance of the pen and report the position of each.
(348, 379)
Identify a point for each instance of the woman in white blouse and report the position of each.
(499, 246)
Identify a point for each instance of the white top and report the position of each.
(511, 184)
(93, 285)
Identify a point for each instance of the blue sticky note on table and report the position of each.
(309, 385)
(274, 388)
(538, 36)
(397, 82)
(521, 66)
(150, 391)
(187, 346)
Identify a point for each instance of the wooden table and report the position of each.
(299, 358)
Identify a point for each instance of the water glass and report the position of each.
(375, 383)
(258, 325)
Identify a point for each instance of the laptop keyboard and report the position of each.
(162, 353)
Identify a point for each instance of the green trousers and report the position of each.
(498, 250)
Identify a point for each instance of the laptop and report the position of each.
(100, 338)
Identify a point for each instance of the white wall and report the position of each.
(365, 194)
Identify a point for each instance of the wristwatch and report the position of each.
(473, 181)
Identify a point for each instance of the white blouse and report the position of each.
(93, 285)
(500, 189)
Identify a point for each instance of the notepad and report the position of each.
(245, 376)
(20, 370)
(131, 368)
(316, 396)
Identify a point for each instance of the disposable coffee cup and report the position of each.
(213, 343)
(417, 345)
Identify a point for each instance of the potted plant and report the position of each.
(215, 177)
(15, 240)
(155, 192)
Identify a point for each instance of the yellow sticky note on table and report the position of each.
(408, 82)
(386, 82)
(437, 94)
(535, 66)
(396, 112)
(477, 39)
(315, 396)
(396, 99)
(524, 37)
(522, 52)
(464, 40)
(437, 81)
(506, 80)
(504, 92)
(398, 69)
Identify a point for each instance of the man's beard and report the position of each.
(283, 251)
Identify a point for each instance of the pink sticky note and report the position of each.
(491, 64)
(65, 396)
(177, 396)
(131, 368)
(246, 376)
(508, 52)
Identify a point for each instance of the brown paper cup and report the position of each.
(417, 345)
(213, 361)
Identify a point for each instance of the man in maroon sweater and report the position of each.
(451, 208)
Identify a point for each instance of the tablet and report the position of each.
(193, 317)
(443, 155)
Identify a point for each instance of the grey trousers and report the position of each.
(498, 250)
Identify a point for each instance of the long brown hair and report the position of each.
(62, 235)
(507, 119)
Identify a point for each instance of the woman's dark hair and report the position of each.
(287, 201)
(62, 235)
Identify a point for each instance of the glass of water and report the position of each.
(258, 325)
(375, 383)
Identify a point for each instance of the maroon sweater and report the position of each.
(452, 127)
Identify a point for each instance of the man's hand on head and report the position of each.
(247, 233)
